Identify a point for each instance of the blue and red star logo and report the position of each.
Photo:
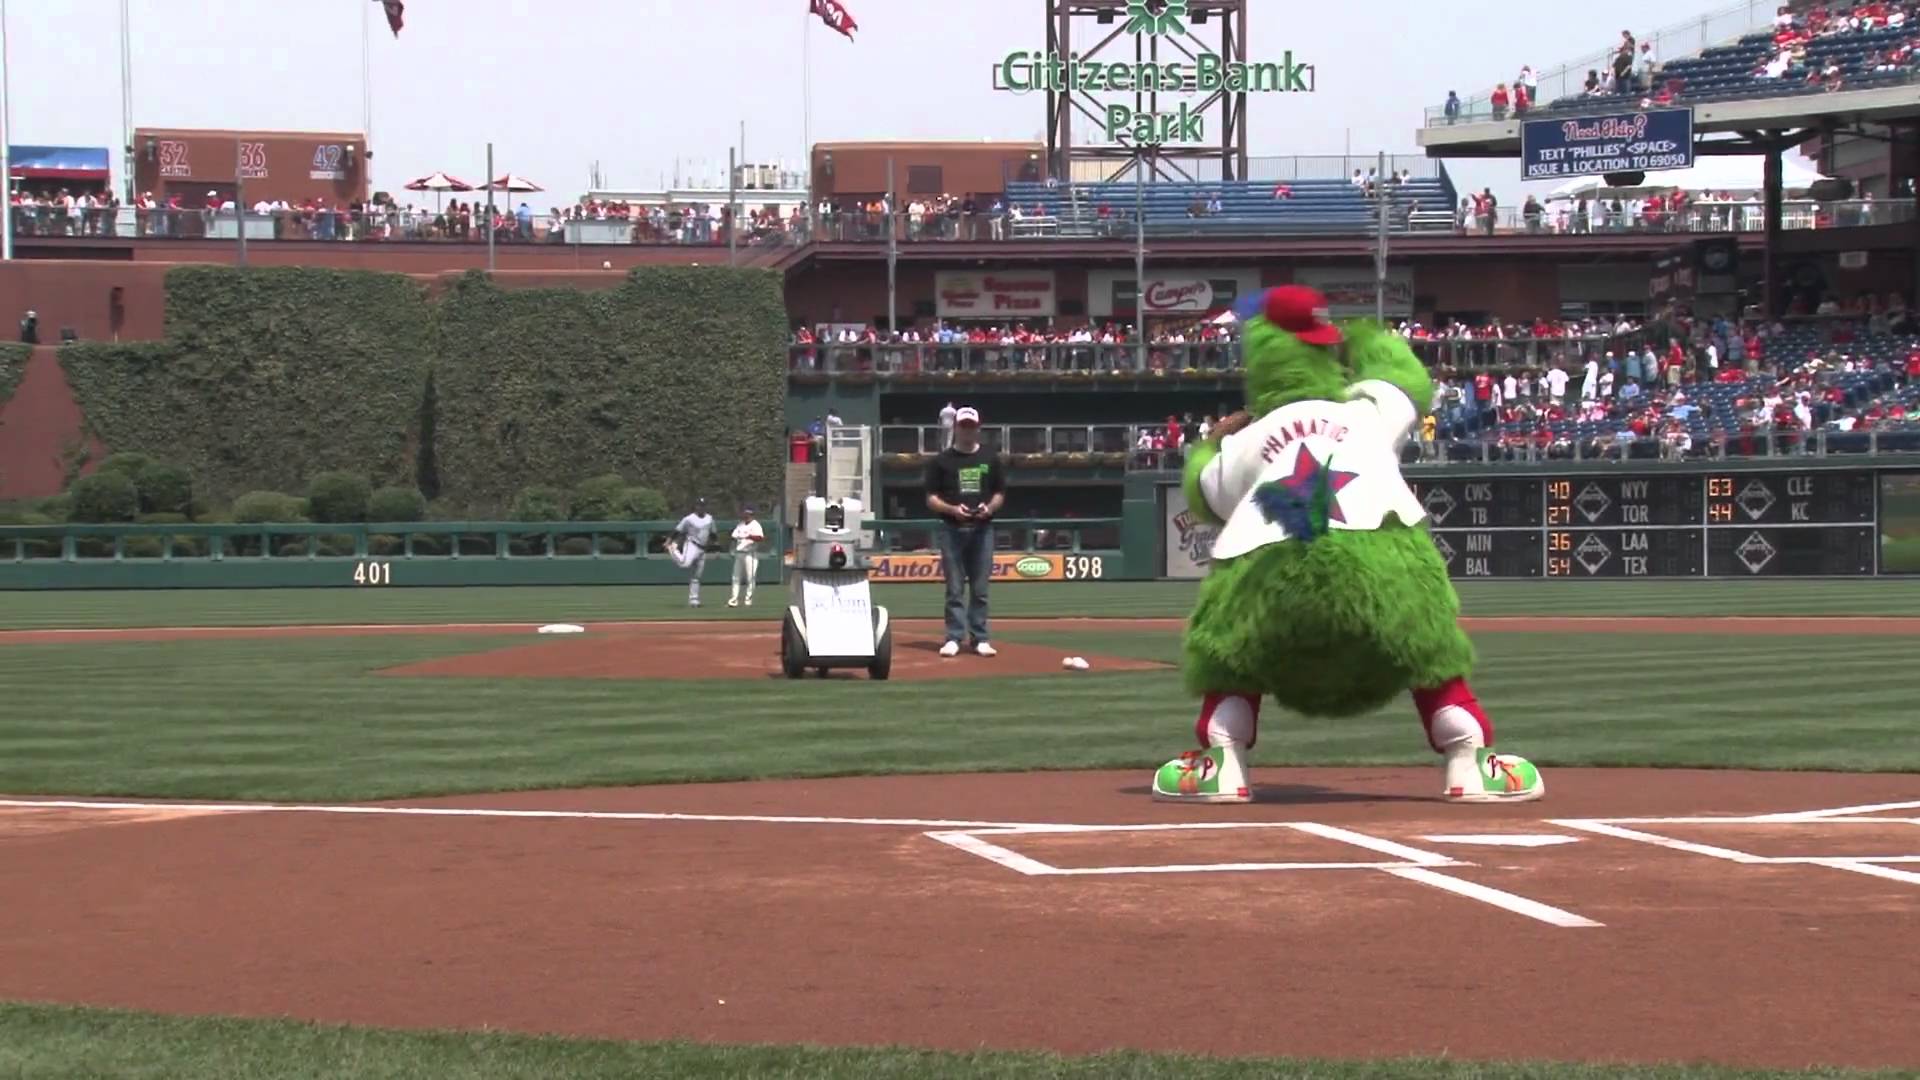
(1303, 502)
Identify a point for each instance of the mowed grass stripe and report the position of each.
(401, 606)
(306, 718)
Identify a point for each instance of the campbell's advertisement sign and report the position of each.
(1170, 295)
(995, 294)
(1009, 566)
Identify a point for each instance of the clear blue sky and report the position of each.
(638, 84)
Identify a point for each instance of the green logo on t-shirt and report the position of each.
(973, 479)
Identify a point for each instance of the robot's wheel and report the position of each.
(792, 654)
(882, 665)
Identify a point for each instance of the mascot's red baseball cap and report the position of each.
(1302, 312)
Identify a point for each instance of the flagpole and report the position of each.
(366, 89)
(806, 99)
(6, 134)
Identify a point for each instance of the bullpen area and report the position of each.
(315, 832)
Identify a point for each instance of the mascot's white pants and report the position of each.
(746, 567)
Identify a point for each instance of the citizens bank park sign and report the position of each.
(1023, 71)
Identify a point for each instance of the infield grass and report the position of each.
(51, 1042)
(1118, 599)
(309, 719)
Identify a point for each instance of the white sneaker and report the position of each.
(749, 601)
(951, 648)
(985, 649)
(735, 602)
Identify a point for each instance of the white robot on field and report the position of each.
(831, 619)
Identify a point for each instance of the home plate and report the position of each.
(1506, 839)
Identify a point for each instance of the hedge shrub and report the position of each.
(129, 464)
(268, 376)
(165, 488)
(338, 496)
(104, 497)
(397, 504)
(541, 502)
(268, 507)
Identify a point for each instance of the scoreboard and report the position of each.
(1815, 523)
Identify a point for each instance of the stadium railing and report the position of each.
(859, 227)
(1561, 218)
(1669, 43)
(1070, 359)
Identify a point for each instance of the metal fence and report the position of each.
(1596, 217)
(864, 227)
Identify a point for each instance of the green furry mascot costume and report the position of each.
(1325, 589)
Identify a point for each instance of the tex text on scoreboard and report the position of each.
(1735, 524)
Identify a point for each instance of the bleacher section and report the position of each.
(1715, 410)
(1246, 207)
(1727, 72)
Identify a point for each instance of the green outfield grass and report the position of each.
(268, 607)
(40, 1041)
(306, 718)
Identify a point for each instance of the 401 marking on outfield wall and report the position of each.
(1008, 566)
(373, 573)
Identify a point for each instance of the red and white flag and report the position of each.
(396, 14)
(835, 14)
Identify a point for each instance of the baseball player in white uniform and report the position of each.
(689, 547)
(747, 538)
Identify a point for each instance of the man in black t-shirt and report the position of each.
(966, 486)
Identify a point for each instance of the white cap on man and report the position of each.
(967, 415)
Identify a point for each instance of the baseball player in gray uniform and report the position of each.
(689, 547)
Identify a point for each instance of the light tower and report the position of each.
(1130, 35)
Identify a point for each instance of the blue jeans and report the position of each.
(966, 559)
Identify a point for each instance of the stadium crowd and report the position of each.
(1607, 388)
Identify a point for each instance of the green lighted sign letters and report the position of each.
(1024, 71)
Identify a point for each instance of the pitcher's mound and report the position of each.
(736, 651)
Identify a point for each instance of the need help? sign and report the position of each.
(1649, 141)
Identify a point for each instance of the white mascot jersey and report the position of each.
(1350, 447)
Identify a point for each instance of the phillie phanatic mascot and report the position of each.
(1325, 590)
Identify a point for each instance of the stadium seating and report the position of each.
(1246, 206)
(1726, 72)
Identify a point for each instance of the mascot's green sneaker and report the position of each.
(1217, 774)
(1480, 775)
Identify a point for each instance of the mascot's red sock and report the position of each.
(1452, 716)
(1228, 718)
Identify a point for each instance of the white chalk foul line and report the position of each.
(1519, 840)
(477, 812)
(1604, 828)
(1838, 811)
(1519, 905)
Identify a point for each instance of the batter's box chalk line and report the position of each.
(1404, 862)
(1880, 866)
